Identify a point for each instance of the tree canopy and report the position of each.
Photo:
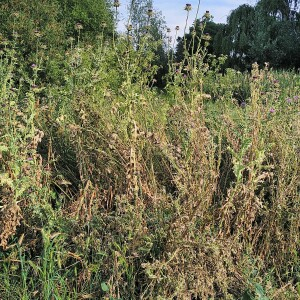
(266, 32)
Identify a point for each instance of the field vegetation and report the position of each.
(131, 171)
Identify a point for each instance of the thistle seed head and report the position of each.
(150, 13)
(188, 7)
(116, 3)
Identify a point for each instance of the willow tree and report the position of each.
(267, 32)
(277, 33)
(239, 35)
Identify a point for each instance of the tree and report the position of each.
(41, 28)
(92, 14)
(147, 22)
(277, 33)
(267, 32)
(239, 34)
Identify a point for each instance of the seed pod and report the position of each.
(188, 7)
(150, 13)
(116, 3)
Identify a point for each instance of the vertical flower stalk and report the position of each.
(173, 47)
(116, 6)
(168, 46)
(78, 27)
(188, 8)
(150, 15)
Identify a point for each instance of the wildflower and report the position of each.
(33, 66)
(150, 13)
(116, 3)
(78, 26)
(206, 36)
(188, 7)
(29, 159)
(15, 34)
(207, 15)
(272, 110)
(243, 104)
(289, 100)
(37, 33)
(296, 98)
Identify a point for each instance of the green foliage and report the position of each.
(92, 14)
(266, 32)
(43, 30)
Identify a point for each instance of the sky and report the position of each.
(173, 11)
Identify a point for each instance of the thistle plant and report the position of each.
(112, 187)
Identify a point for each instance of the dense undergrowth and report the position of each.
(113, 189)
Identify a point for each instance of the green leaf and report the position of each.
(5, 179)
(260, 292)
(247, 296)
(104, 287)
(3, 148)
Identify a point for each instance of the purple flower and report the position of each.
(30, 159)
(243, 104)
(296, 98)
(289, 100)
(33, 66)
(272, 110)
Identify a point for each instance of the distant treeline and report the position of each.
(266, 32)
